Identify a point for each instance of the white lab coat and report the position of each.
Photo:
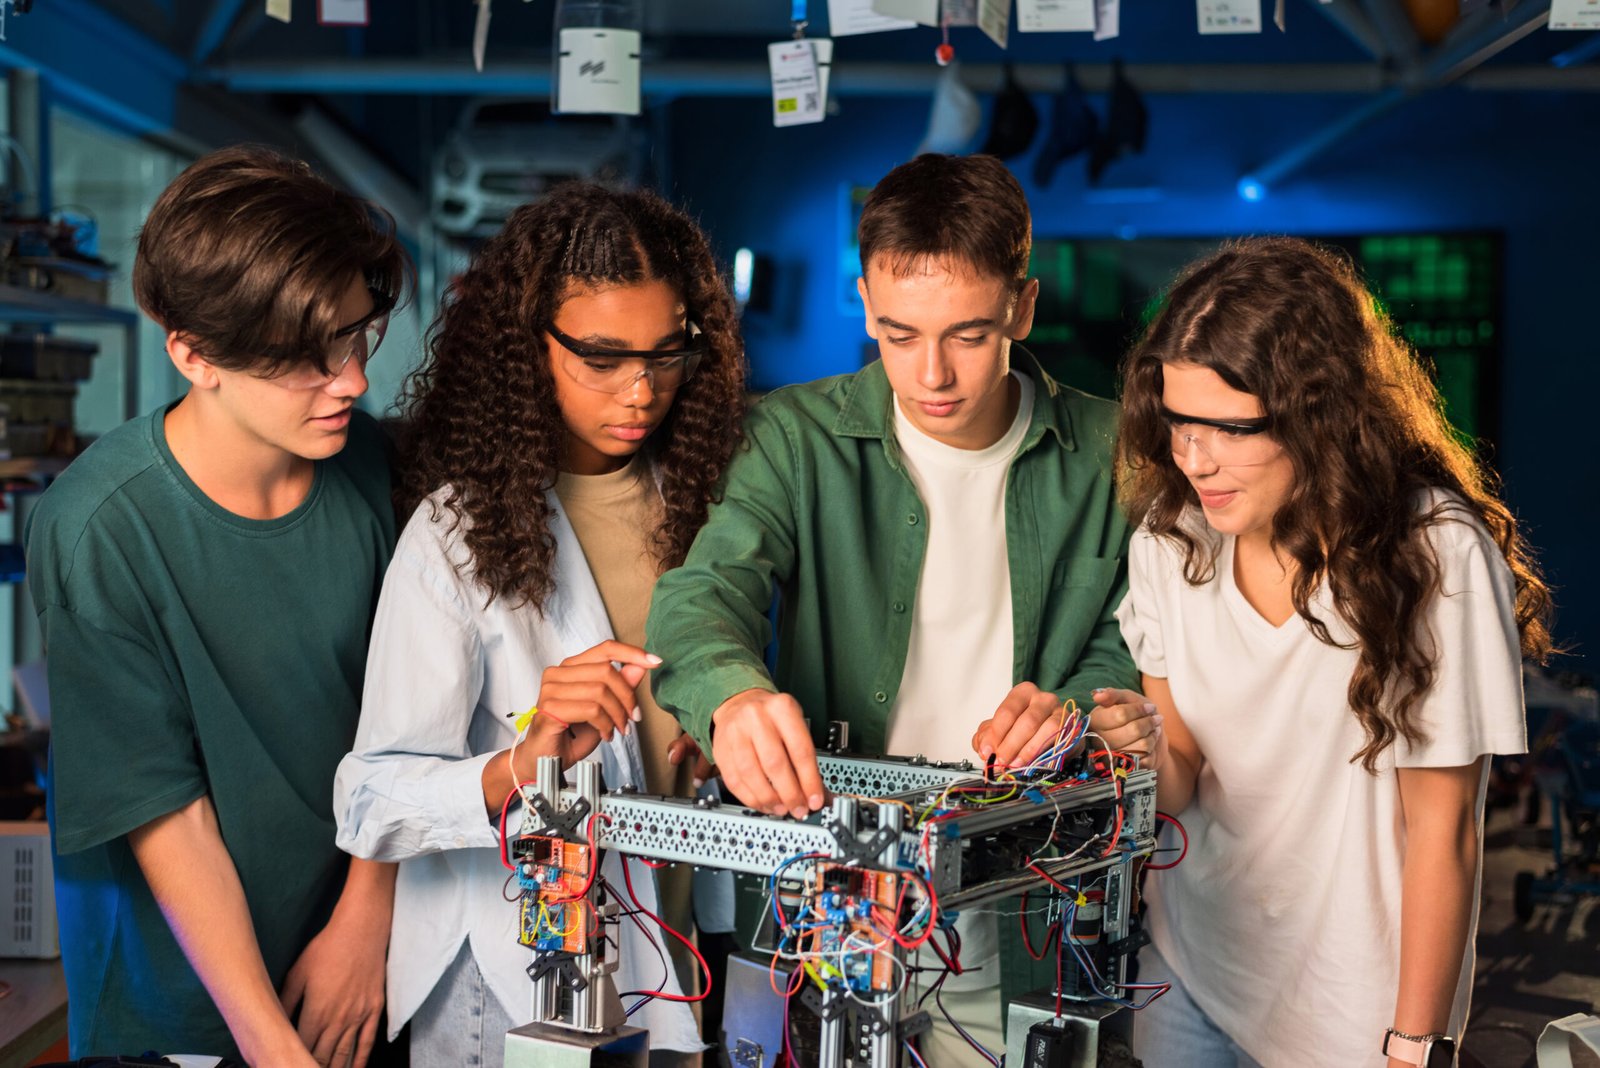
(446, 677)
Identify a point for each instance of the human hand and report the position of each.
(337, 984)
(1128, 721)
(583, 701)
(763, 747)
(1020, 728)
(686, 749)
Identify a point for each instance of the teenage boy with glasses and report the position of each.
(205, 578)
(943, 527)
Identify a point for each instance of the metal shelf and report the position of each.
(19, 305)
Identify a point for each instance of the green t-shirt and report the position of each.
(190, 652)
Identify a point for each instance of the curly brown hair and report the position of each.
(480, 417)
(1360, 419)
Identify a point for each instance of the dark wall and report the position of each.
(1524, 164)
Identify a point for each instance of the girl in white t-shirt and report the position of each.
(582, 393)
(1329, 606)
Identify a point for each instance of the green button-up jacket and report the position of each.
(818, 505)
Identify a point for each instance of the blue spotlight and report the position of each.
(1251, 188)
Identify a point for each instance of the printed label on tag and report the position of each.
(958, 12)
(598, 72)
(796, 88)
(1107, 19)
(1055, 16)
(1575, 14)
(994, 19)
(1229, 16)
(278, 9)
(342, 12)
(847, 17)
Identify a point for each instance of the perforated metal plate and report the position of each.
(882, 778)
(670, 830)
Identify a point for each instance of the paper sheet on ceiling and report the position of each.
(1229, 16)
(849, 17)
(1055, 16)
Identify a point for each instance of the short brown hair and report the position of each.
(247, 256)
(968, 208)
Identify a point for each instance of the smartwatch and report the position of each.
(1428, 1051)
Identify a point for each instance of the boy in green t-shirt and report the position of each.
(205, 577)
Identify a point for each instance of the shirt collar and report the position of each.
(866, 412)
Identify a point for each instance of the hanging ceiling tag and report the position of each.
(1575, 14)
(994, 19)
(598, 72)
(480, 35)
(343, 13)
(1229, 16)
(1055, 16)
(1107, 19)
(924, 12)
(796, 85)
(846, 17)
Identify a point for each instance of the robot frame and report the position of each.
(856, 893)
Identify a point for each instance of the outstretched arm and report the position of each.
(193, 879)
(1438, 886)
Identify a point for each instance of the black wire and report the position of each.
(661, 955)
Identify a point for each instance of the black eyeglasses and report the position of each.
(609, 370)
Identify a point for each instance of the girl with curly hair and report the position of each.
(582, 393)
(1329, 605)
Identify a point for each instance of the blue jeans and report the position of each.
(1174, 1033)
(461, 1025)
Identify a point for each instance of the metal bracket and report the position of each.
(565, 967)
(853, 850)
(916, 1024)
(1123, 946)
(561, 824)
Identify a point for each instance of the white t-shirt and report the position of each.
(958, 663)
(1283, 922)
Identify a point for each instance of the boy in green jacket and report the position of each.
(944, 531)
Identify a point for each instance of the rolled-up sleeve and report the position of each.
(412, 785)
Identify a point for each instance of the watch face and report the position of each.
(1441, 1054)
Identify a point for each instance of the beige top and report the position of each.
(613, 516)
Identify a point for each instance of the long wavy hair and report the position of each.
(480, 417)
(1358, 416)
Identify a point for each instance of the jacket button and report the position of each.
(911, 520)
(880, 697)
(899, 606)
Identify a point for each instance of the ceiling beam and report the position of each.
(684, 78)
(1349, 16)
(1456, 60)
(214, 29)
(1399, 36)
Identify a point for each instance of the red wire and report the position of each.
(1182, 833)
(1027, 941)
(627, 879)
(1115, 833)
(1040, 872)
(505, 851)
